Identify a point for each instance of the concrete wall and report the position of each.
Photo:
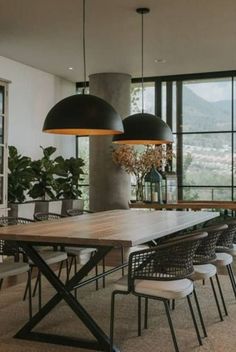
(31, 95)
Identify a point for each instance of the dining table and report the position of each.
(103, 230)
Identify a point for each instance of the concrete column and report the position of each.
(109, 185)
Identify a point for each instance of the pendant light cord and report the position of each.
(84, 48)
(142, 65)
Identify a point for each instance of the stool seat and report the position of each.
(51, 257)
(172, 289)
(12, 269)
(77, 251)
(203, 272)
(223, 259)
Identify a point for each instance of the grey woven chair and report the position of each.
(72, 252)
(76, 212)
(226, 248)
(160, 273)
(19, 265)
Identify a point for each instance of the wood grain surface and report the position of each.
(111, 228)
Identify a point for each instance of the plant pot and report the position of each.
(23, 210)
(48, 206)
(71, 204)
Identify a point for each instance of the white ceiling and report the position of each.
(191, 35)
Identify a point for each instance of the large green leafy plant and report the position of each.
(69, 173)
(20, 175)
(44, 175)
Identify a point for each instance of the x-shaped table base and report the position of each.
(102, 341)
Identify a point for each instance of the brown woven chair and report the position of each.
(160, 273)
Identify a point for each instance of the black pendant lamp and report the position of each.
(144, 128)
(83, 114)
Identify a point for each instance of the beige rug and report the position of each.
(221, 335)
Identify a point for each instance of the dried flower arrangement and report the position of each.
(139, 163)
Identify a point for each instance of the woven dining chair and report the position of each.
(18, 265)
(76, 212)
(72, 252)
(160, 273)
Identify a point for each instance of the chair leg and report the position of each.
(103, 270)
(216, 299)
(75, 271)
(30, 294)
(27, 286)
(171, 325)
(194, 320)
(232, 279)
(199, 313)
(96, 273)
(40, 289)
(139, 315)
(122, 260)
(173, 304)
(60, 270)
(146, 314)
(1, 281)
(221, 294)
(36, 284)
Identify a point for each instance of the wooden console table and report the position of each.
(195, 205)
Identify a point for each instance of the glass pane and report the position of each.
(205, 193)
(149, 98)
(234, 102)
(1, 189)
(207, 105)
(1, 129)
(163, 101)
(1, 100)
(207, 159)
(83, 146)
(174, 122)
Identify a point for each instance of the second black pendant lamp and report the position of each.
(144, 128)
(83, 114)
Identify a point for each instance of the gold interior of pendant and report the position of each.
(82, 131)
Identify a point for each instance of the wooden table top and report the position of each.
(126, 227)
(194, 205)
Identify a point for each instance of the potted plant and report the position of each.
(20, 176)
(69, 173)
(43, 189)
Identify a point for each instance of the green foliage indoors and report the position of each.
(20, 175)
(69, 172)
(44, 171)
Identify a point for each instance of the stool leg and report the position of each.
(103, 270)
(171, 325)
(30, 293)
(194, 320)
(199, 313)
(232, 279)
(146, 314)
(221, 294)
(216, 299)
(122, 260)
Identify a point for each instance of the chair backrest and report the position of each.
(6, 247)
(206, 251)
(227, 237)
(166, 262)
(41, 216)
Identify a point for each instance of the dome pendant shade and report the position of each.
(83, 115)
(144, 128)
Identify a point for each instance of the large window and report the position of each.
(200, 109)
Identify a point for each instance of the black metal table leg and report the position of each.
(102, 341)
